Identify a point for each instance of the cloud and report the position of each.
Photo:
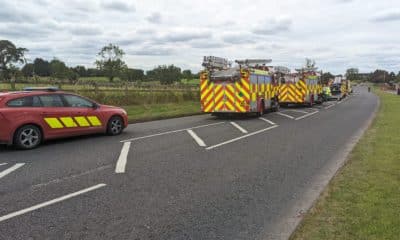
(183, 35)
(239, 38)
(10, 13)
(151, 51)
(273, 26)
(386, 16)
(154, 18)
(209, 44)
(84, 30)
(120, 6)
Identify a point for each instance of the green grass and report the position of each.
(363, 200)
(146, 112)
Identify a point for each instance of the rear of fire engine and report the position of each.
(248, 87)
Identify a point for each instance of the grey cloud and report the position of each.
(184, 36)
(121, 6)
(9, 14)
(154, 18)
(151, 51)
(27, 31)
(273, 26)
(244, 38)
(84, 30)
(392, 15)
(207, 44)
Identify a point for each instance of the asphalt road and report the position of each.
(187, 178)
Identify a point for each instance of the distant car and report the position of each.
(29, 117)
(336, 91)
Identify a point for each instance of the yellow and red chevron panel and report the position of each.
(292, 93)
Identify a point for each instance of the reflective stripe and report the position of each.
(82, 121)
(53, 123)
(94, 121)
(68, 122)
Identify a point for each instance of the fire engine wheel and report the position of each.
(27, 137)
(115, 126)
(276, 107)
(311, 103)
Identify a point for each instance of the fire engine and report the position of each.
(248, 87)
(303, 87)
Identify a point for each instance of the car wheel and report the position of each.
(28, 137)
(115, 126)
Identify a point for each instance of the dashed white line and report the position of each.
(241, 137)
(239, 127)
(169, 132)
(196, 138)
(45, 204)
(2, 164)
(307, 115)
(11, 169)
(268, 121)
(298, 111)
(331, 105)
(123, 157)
(285, 115)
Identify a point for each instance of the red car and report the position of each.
(29, 117)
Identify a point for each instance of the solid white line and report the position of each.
(45, 204)
(285, 115)
(1, 164)
(241, 137)
(196, 138)
(268, 121)
(239, 127)
(123, 157)
(169, 132)
(307, 115)
(298, 111)
(327, 107)
(11, 169)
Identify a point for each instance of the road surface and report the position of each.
(187, 178)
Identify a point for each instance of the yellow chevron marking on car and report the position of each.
(68, 122)
(82, 121)
(94, 121)
(53, 123)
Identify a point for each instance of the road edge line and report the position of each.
(123, 158)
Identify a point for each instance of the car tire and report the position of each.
(28, 137)
(115, 126)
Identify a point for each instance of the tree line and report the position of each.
(109, 64)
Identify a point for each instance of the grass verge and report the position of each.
(141, 113)
(363, 200)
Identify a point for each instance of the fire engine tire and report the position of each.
(276, 107)
(28, 137)
(115, 126)
(311, 103)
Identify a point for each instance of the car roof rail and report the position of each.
(48, 89)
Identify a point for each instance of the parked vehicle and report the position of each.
(29, 117)
(249, 87)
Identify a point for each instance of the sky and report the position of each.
(337, 34)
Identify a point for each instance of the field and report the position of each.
(363, 200)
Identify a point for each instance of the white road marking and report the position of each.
(307, 115)
(298, 111)
(169, 132)
(241, 137)
(196, 138)
(11, 169)
(331, 105)
(123, 157)
(45, 204)
(268, 121)
(239, 127)
(285, 115)
(2, 164)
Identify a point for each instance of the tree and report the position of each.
(187, 74)
(110, 62)
(132, 75)
(392, 77)
(352, 73)
(81, 71)
(325, 77)
(10, 55)
(165, 74)
(41, 67)
(28, 70)
(380, 76)
(58, 69)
